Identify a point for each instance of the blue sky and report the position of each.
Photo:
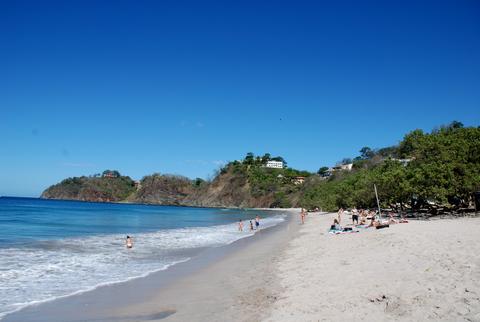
(180, 87)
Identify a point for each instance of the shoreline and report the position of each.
(105, 300)
(125, 202)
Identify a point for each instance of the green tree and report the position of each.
(322, 171)
(266, 157)
(249, 158)
(366, 153)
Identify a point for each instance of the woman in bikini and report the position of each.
(129, 242)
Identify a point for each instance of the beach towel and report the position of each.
(337, 232)
(362, 226)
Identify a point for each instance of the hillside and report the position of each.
(101, 189)
(427, 172)
(238, 184)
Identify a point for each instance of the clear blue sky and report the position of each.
(179, 87)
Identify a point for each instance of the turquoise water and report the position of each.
(51, 248)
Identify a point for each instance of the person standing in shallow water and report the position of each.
(257, 222)
(240, 225)
(129, 242)
(251, 225)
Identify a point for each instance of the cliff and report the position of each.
(102, 189)
(236, 185)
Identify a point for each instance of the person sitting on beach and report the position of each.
(363, 217)
(129, 242)
(373, 222)
(392, 220)
(251, 225)
(370, 214)
(240, 225)
(336, 225)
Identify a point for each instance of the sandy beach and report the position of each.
(420, 271)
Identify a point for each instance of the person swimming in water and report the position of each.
(129, 242)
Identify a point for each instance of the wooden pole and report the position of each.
(378, 203)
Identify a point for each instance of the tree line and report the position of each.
(437, 170)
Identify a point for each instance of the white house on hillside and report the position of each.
(346, 167)
(274, 164)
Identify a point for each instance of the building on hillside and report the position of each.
(404, 162)
(137, 184)
(298, 180)
(274, 164)
(344, 167)
(327, 174)
(110, 175)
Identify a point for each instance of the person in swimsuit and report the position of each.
(240, 225)
(129, 242)
(336, 225)
(354, 216)
(251, 225)
(257, 222)
(339, 215)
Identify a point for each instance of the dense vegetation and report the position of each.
(435, 171)
(279, 184)
(441, 170)
(93, 188)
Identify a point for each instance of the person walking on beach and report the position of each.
(251, 225)
(302, 216)
(129, 242)
(257, 222)
(240, 225)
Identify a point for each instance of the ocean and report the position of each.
(51, 248)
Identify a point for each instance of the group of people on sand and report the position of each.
(365, 218)
(251, 222)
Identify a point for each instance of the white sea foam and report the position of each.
(51, 269)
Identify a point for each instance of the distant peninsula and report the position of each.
(431, 173)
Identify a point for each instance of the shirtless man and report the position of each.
(354, 216)
(240, 225)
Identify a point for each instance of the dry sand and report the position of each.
(420, 271)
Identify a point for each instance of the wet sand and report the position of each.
(231, 283)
